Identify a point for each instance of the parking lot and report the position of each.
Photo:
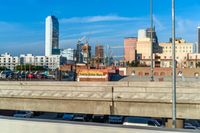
(8, 75)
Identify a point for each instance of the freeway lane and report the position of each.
(11, 125)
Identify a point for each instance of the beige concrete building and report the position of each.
(144, 52)
(144, 47)
(183, 48)
(193, 61)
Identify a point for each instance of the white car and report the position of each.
(23, 114)
(139, 121)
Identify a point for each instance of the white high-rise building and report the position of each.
(52, 36)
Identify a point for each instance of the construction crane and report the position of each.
(111, 56)
(84, 38)
(115, 56)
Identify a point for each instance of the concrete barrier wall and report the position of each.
(152, 99)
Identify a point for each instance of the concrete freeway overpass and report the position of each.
(151, 99)
(10, 125)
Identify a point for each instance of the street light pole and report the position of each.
(151, 19)
(174, 67)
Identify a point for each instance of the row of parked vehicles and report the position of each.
(129, 121)
(8, 74)
(125, 120)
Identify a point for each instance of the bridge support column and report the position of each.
(179, 123)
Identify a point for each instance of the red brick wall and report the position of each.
(145, 71)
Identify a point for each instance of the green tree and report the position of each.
(28, 67)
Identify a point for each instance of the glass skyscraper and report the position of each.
(52, 36)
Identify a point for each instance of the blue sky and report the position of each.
(107, 22)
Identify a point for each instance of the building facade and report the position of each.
(183, 48)
(52, 36)
(8, 61)
(192, 61)
(86, 50)
(70, 54)
(50, 62)
(144, 43)
(99, 54)
(130, 45)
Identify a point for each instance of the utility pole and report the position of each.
(174, 67)
(151, 19)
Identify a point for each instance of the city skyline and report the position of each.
(22, 22)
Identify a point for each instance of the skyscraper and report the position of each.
(79, 52)
(198, 40)
(156, 48)
(52, 36)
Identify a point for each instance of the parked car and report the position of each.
(24, 114)
(139, 121)
(68, 117)
(41, 76)
(115, 119)
(189, 126)
(6, 74)
(79, 117)
(195, 123)
(50, 76)
(22, 76)
(99, 118)
(69, 76)
(30, 76)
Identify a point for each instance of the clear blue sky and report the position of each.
(22, 22)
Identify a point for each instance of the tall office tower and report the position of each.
(52, 36)
(79, 52)
(99, 54)
(198, 39)
(156, 48)
(130, 44)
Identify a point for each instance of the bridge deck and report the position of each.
(41, 126)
